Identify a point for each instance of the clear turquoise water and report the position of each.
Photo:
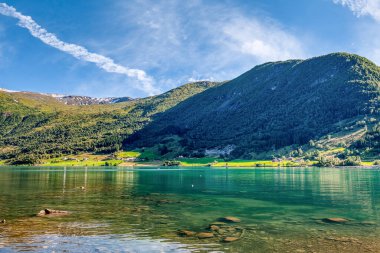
(141, 210)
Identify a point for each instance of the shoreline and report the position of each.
(147, 165)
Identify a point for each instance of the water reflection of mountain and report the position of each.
(33, 186)
(316, 186)
(354, 188)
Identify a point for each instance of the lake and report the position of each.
(142, 209)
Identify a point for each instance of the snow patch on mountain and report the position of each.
(76, 100)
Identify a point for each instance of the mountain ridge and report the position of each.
(291, 107)
(272, 106)
(75, 99)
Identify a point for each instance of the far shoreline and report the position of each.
(151, 165)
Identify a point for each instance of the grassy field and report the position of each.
(102, 160)
(82, 160)
(237, 163)
(205, 161)
(127, 154)
(152, 159)
(333, 151)
(367, 163)
(83, 163)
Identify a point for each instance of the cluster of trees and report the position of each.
(329, 161)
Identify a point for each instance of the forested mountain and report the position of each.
(34, 126)
(295, 107)
(294, 103)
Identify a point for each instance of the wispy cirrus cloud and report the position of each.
(264, 41)
(79, 52)
(195, 40)
(362, 7)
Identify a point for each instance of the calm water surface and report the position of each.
(141, 210)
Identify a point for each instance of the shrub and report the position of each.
(352, 161)
(327, 161)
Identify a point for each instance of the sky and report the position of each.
(138, 48)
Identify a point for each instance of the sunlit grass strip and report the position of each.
(82, 163)
(127, 154)
(239, 163)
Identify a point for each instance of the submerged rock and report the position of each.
(205, 235)
(218, 223)
(141, 208)
(186, 233)
(230, 239)
(368, 223)
(214, 227)
(229, 219)
(51, 212)
(335, 220)
(222, 231)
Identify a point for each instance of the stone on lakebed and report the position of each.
(335, 220)
(186, 233)
(230, 239)
(205, 235)
(51, 212)
(229, 219)
(214, 227)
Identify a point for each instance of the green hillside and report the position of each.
(278, 108)
(35, 126)
(320, 109)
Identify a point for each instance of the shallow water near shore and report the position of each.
(142, 209)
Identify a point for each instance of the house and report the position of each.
(69, 159)
(129, 159)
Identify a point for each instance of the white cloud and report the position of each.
(196, 40)
(264, 41)
(79, 52)
(177, 41)
(362, 7)
(364, 29)
(369, 48)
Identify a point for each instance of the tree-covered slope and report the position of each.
(272, 106)
(34, 126)
(326, 104)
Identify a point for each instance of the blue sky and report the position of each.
(142, 47)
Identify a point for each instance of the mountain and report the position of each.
(74, 100)
(327, 105)
(84, 100)
(332, 100)
(34, 126)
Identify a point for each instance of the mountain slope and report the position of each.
(272, 106)
(34, 126)
(327, 104)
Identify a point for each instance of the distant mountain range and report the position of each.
(326, 104)
(76, 100)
